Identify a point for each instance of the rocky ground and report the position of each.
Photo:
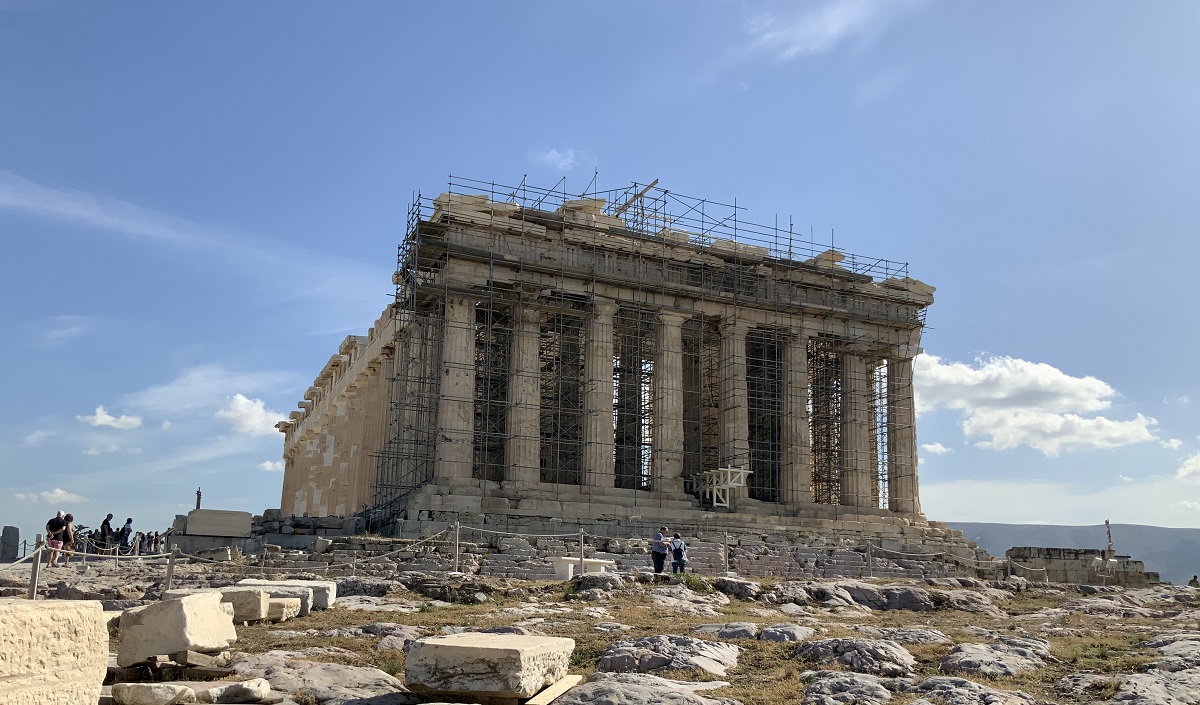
(704, 641)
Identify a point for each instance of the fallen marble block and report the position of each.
(191, 623)
(493, 665)
(53, 651)
(280, 609)
(324, 592)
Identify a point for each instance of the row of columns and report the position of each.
(453, 452)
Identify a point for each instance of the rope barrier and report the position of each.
(906, 555)
(532, 536)
(36, 553)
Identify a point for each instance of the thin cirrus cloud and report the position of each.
(55, 496)
(203, 388)
(103, 418)
(35, 438)
(1007, 403)
(563, 160)
(60, 330)
(817, 29)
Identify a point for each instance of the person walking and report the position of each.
(54, 538)
(68, 538)
(105, 542)
(678, 554)
(126, 537)
(658, 550)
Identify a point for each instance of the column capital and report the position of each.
(731, 325)
(604, 307)
(675, 318)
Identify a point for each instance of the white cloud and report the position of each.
(204, 388)
(36, 437)
(271, 466)
(166, 424)
(1010, 402)
(1124, 478)
(103, 418)
(55, 496)
(815, 30)
(1181, 400)
(1171, 443)
(1190, 466)
(101, 449)
(62, 329)
(1185, 504)
(936, 448)
(250, 416)
(563, 160)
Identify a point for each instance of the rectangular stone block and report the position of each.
(282, 608)
(218, 522)
(304, 594)
(493, 665)
(10, 542)
(190, 623)
(324, 592)
(52, 652)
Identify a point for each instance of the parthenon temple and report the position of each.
(621, 358)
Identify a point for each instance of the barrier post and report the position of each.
(35, 568)
(171, 566)
(582, 567)
(457, 531)
(726, 551)
(945, 573)
(870, 563)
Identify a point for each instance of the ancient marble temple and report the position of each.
(629, 357)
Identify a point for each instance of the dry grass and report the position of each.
(768, 673)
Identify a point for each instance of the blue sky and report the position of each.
(199, 201)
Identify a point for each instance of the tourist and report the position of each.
(678, 554)
(105, 544)
(68, 538)
(658, 550)
(1194, 582)
(126, 536)
(54, 538)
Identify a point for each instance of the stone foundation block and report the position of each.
(494, 665)
(152, 694)
(324, 592)
(283, 608)
(52, 652)
(191, 623)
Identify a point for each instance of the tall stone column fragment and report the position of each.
(796, 479)
(734, 440)
(856, 433)
(456, 402)
(598, 397)
(903, 492)
(52, 651)
(667, 439)
(524, 406)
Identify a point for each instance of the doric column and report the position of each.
(523, 446)
(856, 432)
(456, 401)
(796, 478)
(666, 443)
(598, 397)
(903, 493)
(734, 439)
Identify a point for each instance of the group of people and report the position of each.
(63, 539)
(674, 547)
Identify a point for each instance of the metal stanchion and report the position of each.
(582, 567)
(457, 530)
(870, 565)
(35, 569)
(171, 566)
(726, 551)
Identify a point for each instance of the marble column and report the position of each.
(734, 438)
(856, 432)
(796, 478)
(523, 447)
(666, 443)
(598, 435)
(456, 400)
(903, 492)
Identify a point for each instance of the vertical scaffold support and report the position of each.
(582, 565)
(457, 529)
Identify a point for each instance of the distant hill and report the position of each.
(1173, 553)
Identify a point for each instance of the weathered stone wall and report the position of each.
(52, 653)
(1077, 565)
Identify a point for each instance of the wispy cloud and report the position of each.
(563, 160)
(271, 466)
(935, 448)
(59, 330)
(878, 87)
(1171, 443)
(55, 496)
(103, 418)
(1180, 400)
(204, 388)
(1124, 478)
(249, 416)
(34, 438)
(815, 30)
